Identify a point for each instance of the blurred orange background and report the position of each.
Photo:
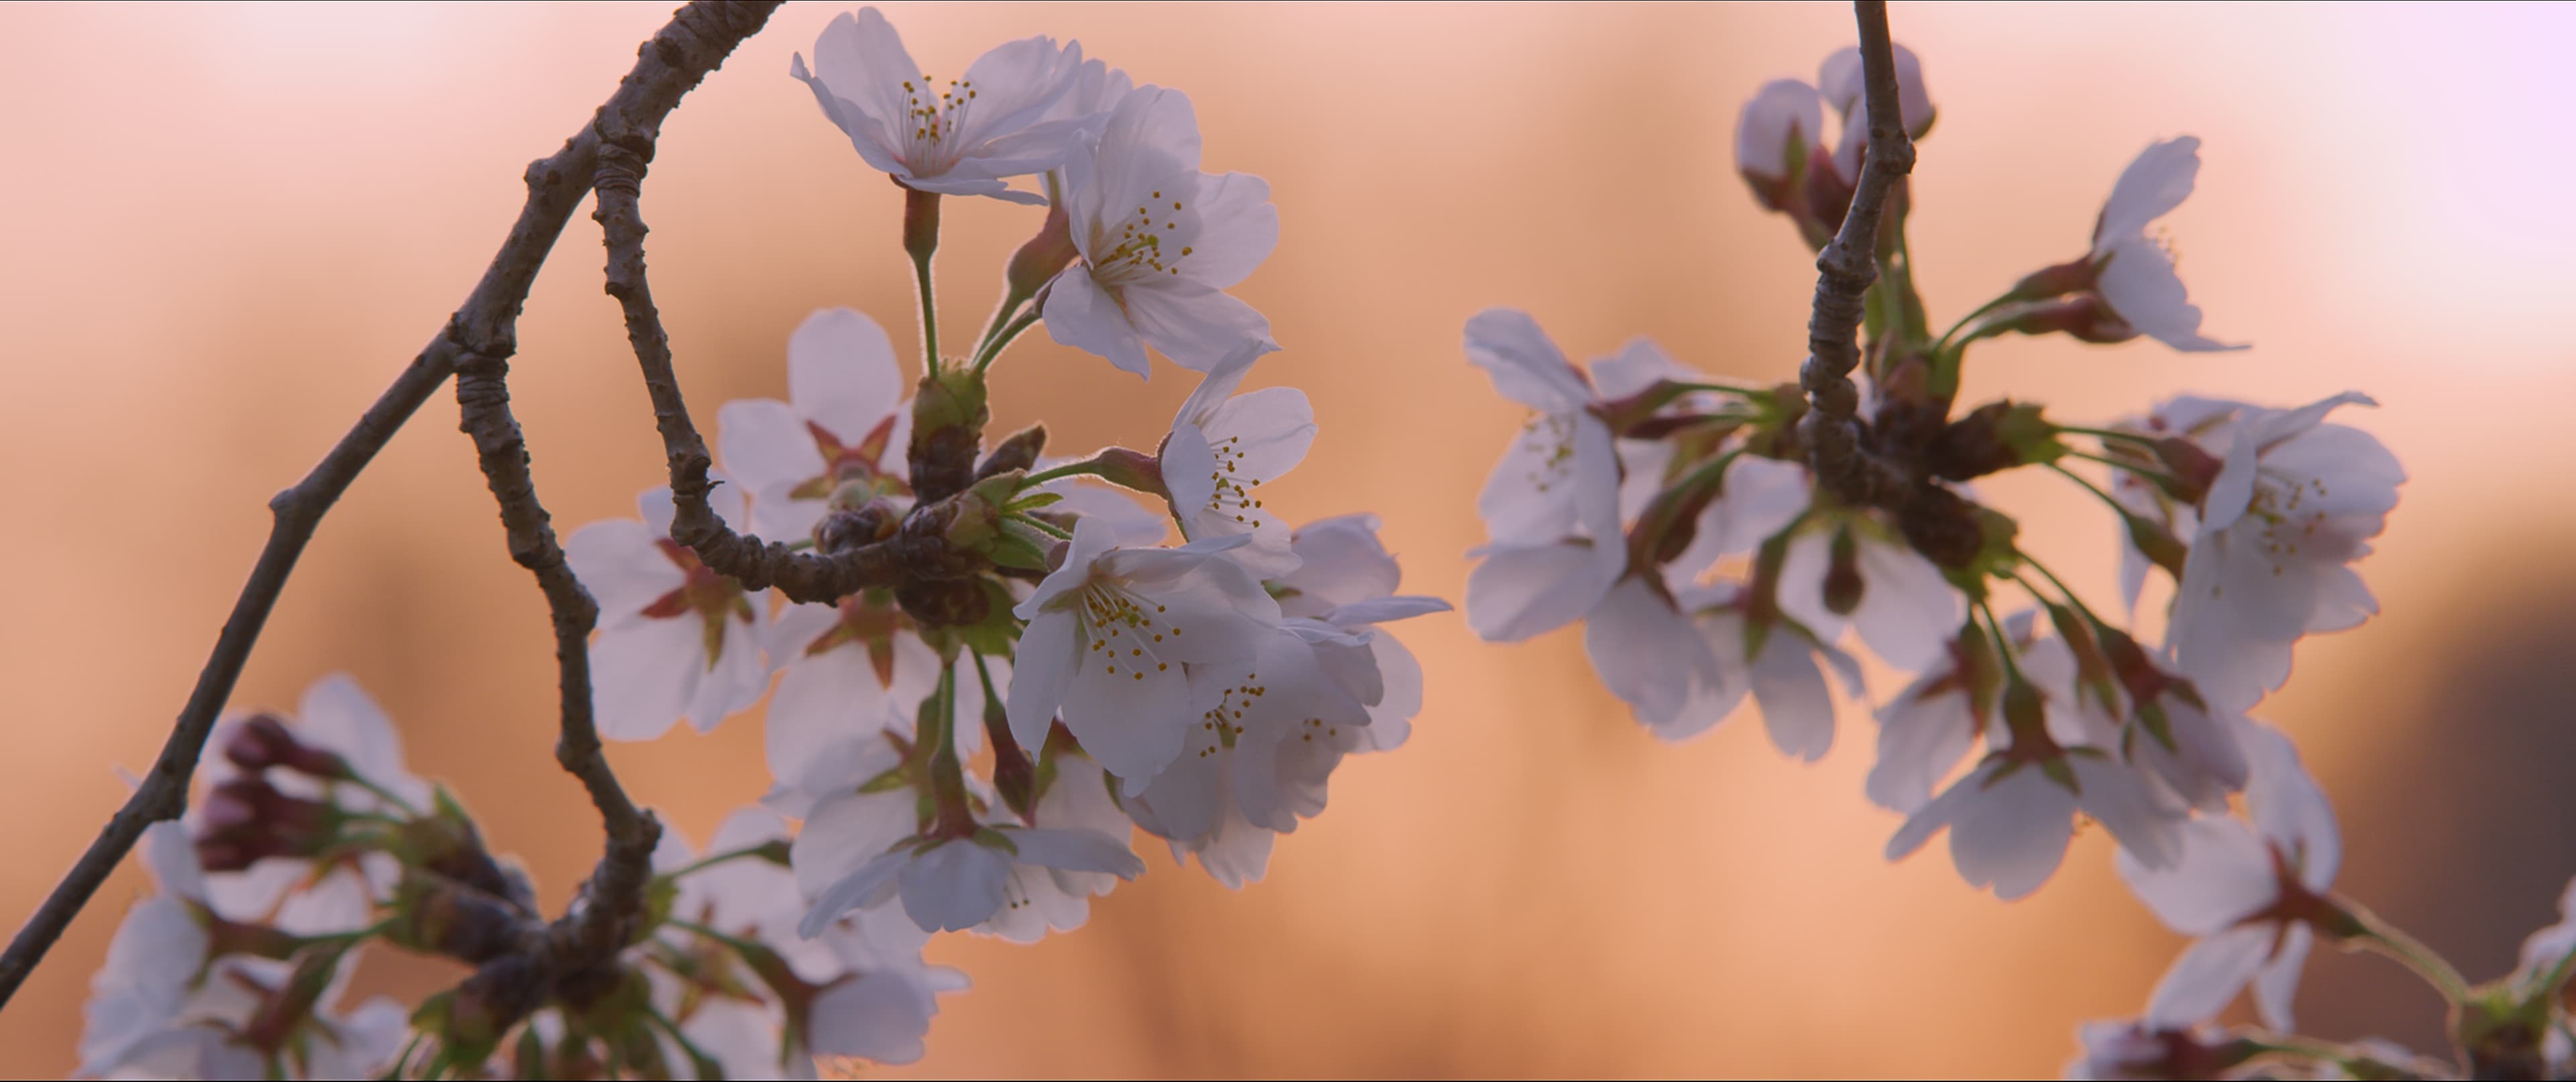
(226, 228)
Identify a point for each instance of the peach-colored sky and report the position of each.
(227, 227)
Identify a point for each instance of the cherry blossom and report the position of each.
(1223, 447)
(2250, 891)
(2296, 502)
(1859, 574)
(1157, 274)
(961, 137)
(676, 639)
(1551, 506)
(1779, 663)
(2130, 1049)
(953, 884)
(2011, 817)
(341, 751)
(859, 990)
(1756, 498)
(838, 440)
(2135, 270)
(1927, 728)
(1779, 125)
(185, 979)
(1110, 638)
(2197, 422)
(848, 669)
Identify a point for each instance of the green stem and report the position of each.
(992, 349)
(737, 943)
(704, 863)
(2379, 935)
(929, 313)
(1070, 469)
(2095, 489)
(2109, 434)
(1002, 315)
(2003, 642)
(1942, 344)
(1043, 526)
(2130, 465)
(384, 794)
(2062, 588)
(1727, 388)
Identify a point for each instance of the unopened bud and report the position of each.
(841, 531)
(2156, 542)
(1019, 452)
(2074, 276)
(1994, 437)
(1044, 256)
(2193, 469)
(948, 418)
(264, 741)
(1132, 469)
(1772, 136)
(1843, 582)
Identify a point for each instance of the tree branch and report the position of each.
(1844, 272)
(757, 565)
(697, 38)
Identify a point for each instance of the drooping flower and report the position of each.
(1551, 506)
(2011, 817)
(2116, 1051)
(1860, 575)
(840, 435)
(859, 990)
(676, 639)
(1223, 447)
(184, 981)
(2253, 892)
(960, 137)
(2296, 502)
(2135, 273)
(272, 793)
(1772, 658)
(1110, 638)
(1161, 242)
(1927, 728)
(953, 884)
(850, 669)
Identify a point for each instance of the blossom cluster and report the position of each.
(1128, 640)
(1677, 519)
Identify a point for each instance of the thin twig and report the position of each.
(692, 44)
(1844, 273)
(757, 565)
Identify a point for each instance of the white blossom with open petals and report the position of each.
(958, 137)
(2241, 888)
(843, 428)
(1223, 447)
(850, 669)
(1111, 635)
(2135, 270)
(954, 884)
(1781, 666)
(2296, 502)
(2011, 817)
(1551, 506)
(1907, 611)
(1757, 497)
(1161, 242)
(676, 639)
(1927, 728)
(165, 1006)
(859, 990)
